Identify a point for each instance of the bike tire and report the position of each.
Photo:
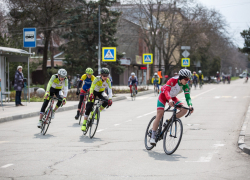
(81, 113)
(133, 93)
(148, 135)
(170, 139)
(46, 122)
(94, 123)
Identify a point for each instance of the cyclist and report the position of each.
(84, 83)
(132, 80)
(97, 89)
(168, 93)
(200, 76)
(55, 85)
(195, 78)
(156, 81)
(218, 76)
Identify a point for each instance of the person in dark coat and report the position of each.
(18, 85)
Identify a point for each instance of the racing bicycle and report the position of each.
(133, 92)
(170, 131)
(92, 122)
(46, 120)
(83, 106)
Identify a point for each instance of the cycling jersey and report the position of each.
(86, 81)
(173, 87)
(195, 76)
(99, 86)
(156, 80)
(132, 80)
(55, 83)
(200, 76)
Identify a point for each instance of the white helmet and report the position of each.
(62, 73)
(155, 74)
(217, 72)
(199, 71)
(132, 74)
(185, 73)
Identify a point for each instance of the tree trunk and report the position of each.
(45, 57)
(51, 53)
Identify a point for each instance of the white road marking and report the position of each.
(100, 130)
(203, 93)
(1, 142)
(217, 97)
(146, 114)
(7, 165)
(235, 97)
(116, 124)
(226, 96)
(139, 116)
(210, 155)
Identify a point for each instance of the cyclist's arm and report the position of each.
(159, 80)
(129, 80)
(65, 92)
(153, 79)
(187, 94)
(53, 77)
(136, 80)
(168, 89)
(93, 85)
(109, 89)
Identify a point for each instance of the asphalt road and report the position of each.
(208, 149)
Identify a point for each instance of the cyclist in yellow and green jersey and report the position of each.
(98, 89)
(55, 85)
(200, 77)
(156, 81)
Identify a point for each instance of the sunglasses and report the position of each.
(89, 74)
(105, 75)
(186, 79)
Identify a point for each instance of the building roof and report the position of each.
(4, 50)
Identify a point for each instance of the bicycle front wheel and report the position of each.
(172, 137)
(46, 122)
(148, 134)
(81, 113)
(94, 123)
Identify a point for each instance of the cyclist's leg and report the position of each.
(89, 106)
(59, 103)
(182, 111)
(136, 88)
(158, 86)
(103, 95)
(82, 93)
(45, 104)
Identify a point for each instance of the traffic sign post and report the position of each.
(147, 58)
(109, 54)
(29, 41)
(185, 62)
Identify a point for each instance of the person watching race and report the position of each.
(55, 85)
(132, 80)
(168, 94)
(97, 90)
(156, 81)
(84, 83)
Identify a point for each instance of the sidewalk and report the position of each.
(244, 137)
(32, 109)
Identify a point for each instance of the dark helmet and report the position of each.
(104, 71)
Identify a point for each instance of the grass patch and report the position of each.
(234, 78)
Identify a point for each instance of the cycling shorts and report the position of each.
(161, 102)
(82, 92)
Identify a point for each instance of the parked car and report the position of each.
(243, 75)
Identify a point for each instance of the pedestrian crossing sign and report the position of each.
(185, 62)
(147, 58)
(109, 54)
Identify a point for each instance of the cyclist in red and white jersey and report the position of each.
(168, 93)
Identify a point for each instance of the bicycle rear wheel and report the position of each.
(81, 112)
(94, 123)
(148, 134)
(172, 137)
(46, 121)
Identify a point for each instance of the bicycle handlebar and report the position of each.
(181, 106)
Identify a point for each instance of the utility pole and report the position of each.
(99, 43)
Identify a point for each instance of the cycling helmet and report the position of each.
(194, 72)
(132, 74)
(104, 71)
(89, 71)
(62, 73)
(175, 73)
(155, 74)
(199, 71)
(185, 73)
(217, 72)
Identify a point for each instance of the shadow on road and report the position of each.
(40, 136)
(164, 157)
(76, 124)
(86, 139)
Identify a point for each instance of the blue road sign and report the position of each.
(108, 54)
(29, 37)
(147, 58)
(185, 62)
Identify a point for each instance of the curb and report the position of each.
(241, 140)
(32, 114)
(145, 92)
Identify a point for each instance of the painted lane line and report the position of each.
(139, 116)
(100, 130)
(7, 165)
(1, 142)
(217, 97)
(146, 114)
(208, 157)
(235, 97)
(203, 93)
(116, 124)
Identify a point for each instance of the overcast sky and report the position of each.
(236, 13)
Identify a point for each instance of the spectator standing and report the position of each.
(160, 75)
(18, 85)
